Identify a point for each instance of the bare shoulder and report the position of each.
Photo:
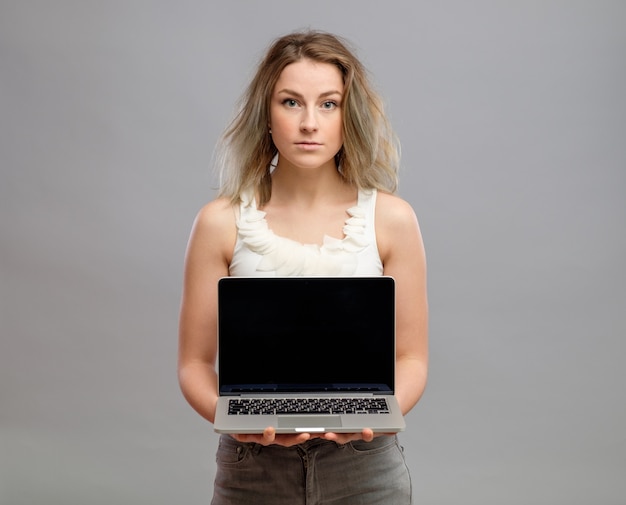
(217, 213)
(215, 226)
(397, 227)
(392, 212)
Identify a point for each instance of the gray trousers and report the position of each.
(318, 472)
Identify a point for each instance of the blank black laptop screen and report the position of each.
(294, 334)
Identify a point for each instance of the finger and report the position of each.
(299, 439)
(334, 437)
(341, 438)
(290, 440)
(269, 435)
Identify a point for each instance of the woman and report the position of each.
(309, 168)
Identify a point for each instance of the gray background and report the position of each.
(513, 120)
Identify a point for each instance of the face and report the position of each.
(305, 114)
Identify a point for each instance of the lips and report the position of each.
(308, 146)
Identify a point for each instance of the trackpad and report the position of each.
(302, 423)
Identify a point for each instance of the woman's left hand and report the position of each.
(343, 438)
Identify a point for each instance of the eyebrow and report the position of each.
(298, 95)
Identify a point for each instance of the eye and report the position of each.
(290, 102)
(329, 105)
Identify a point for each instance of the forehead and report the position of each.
(311, 76)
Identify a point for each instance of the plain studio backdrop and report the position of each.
(512, 117)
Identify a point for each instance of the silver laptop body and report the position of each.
(306, 354)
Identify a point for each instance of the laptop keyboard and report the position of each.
(273, 406)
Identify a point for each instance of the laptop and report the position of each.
(306, 355)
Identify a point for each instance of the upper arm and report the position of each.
(209, 252)
(402, 253)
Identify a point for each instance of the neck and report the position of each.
(306, 185)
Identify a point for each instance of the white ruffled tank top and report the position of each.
(260, 253)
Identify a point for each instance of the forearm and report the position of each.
(411, 377)
(198, 382)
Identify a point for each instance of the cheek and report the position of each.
(280, 123)
(339, 131)
(274, 116)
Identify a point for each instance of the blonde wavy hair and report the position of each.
(369, 157)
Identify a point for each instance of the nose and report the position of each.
(309, 121)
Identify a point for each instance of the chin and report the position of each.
(311, 163)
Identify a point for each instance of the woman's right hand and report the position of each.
(270, 437)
